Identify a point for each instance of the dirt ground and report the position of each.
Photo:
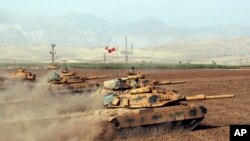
(221, 112)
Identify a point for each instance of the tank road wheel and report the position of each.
(166, 127)
(177, 126)
(125, 133)
(138, 131)
(152, 129)
(187, 125)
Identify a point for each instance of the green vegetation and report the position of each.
(129, 65)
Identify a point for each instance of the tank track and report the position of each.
(157, 129)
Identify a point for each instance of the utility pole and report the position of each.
(132, 48)
(15, 65)
(64, 63)
(117, 54)
(126, 49)
(53, 52)
(104, 57)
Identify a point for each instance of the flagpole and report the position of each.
(116, 61)
(113, 60)
(117, 54)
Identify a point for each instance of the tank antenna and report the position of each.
(64, 63)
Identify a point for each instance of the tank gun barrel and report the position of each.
(138, 76)
(95, 77)
(168, 82)
(204, 97)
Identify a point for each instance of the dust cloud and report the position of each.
(29, 113)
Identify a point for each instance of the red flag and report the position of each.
(110, 50)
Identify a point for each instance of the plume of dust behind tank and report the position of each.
(21, 106)
(75, 129)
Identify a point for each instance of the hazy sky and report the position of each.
(187, 13)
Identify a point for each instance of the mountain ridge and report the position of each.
(87, 30)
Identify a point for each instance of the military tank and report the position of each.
(69, 82)
(152, 110)
(53, 66)
(23, 74)
(133, 81)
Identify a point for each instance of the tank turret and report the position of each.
(123, 83)
(53, 66)
(66, 72)
(149, 96)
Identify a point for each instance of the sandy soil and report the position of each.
(221, 112)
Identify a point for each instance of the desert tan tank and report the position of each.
(22, 74)
(69, 82)
(53, 66)
(152, 110)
